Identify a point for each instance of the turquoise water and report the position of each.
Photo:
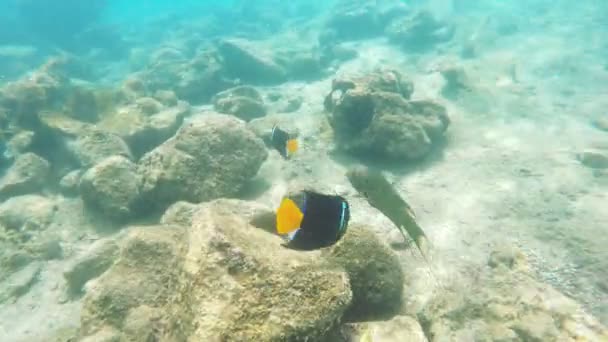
(140, 179)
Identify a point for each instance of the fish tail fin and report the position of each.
(424, 248)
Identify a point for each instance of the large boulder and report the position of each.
(373, 116)
(210, 156)
(375, 274)
(28, 174)
(94, 145)
(27, 212)
(250, 63)
(243, 102)
(220, 279)
(90, 265)
(195, 79)
(112, 187)
(145, 124)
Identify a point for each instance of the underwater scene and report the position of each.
(331, 171)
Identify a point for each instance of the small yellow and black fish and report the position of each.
(312, 220)
(283, 142)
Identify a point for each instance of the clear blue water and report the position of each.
(526, 83)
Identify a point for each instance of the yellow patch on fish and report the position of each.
(289, 217)
(292, 145)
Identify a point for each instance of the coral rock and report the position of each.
(27, 212)
(112, 187)
(243, 102)
(250, 63)
(92, 264)
(93, 146)
(142, 131)
(375, 275)
(28, 174)
(372, 116)
(214, 282)
(209, 157)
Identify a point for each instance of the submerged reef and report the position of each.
(171, 281)
(373, 116)
(140, 172)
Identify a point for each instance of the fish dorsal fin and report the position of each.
(289, 217)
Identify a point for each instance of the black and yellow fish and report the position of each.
(312, 220)
(283, 142)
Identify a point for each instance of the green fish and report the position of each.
(381, 195)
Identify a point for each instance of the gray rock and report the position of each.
(166, 97)
(186, 276)
(28, 174)
(143, 132)
(243, 102)
(70, 182)
(375, 274)
(27, 212)
(250, 63)
(148, 105)
(48, 249)
(372, 116)
(93, 146)
(113, 187)
(209, 157)
(90, 265)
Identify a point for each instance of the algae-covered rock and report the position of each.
(250, 63)
(27, 212)
(375, 275)
(28, 174)
(179, 213)
(93, 146)
(143, 131)
(209, 157)
(243, 102)
(147, 272)
(96, 260)
(69, 182)
(372, 116)
(213, 282)
(113, 187)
